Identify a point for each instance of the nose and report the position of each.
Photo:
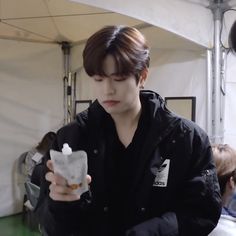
(108, 86)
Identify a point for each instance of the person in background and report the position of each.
(225, 159)
(34, 156)
(151, 173)
(31, 170)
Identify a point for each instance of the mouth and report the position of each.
(110, 102)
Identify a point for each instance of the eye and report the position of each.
(119, 78)
(98, 78)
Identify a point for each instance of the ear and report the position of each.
(143, 77)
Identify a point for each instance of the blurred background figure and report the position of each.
(34, 156)
(30, 167)
(232, 37)
(225, 159)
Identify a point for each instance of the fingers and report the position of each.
(50, 165)
(62, 193)
(89, 179)
(55, 178)
(59, 189)
(64, 198)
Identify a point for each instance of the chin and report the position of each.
(112, 111)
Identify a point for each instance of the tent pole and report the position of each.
(73, 93)
(67, 83)
(209, 95)
(217, 134)
(222, 89)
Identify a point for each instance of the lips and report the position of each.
(111, 102)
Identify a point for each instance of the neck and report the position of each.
(129, 118)
(225, 201)
(226, 198)
(126, 124)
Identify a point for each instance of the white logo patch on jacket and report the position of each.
(162, 174)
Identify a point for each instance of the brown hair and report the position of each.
(126, 44)
(225, 160)
(46, 142)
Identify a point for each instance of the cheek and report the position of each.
(130, 97)
(132, 90)
(129, 88)
(96, 89)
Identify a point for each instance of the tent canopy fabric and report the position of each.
(55, 21)
(73, 21)
(189, 25)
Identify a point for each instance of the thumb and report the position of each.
(89, 179)
(50, 165)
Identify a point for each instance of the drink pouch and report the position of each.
(72, 166)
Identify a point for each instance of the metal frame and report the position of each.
(187, 107)
(77, 102)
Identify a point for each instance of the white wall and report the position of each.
(83, 88)
(230, 107)
(31, 104)
(176, 73)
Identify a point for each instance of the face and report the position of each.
(116, 94)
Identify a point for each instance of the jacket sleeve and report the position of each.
(64, 218)
(201, 198)
(198, 208)
(166, 225)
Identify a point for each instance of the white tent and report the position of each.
(181, 36)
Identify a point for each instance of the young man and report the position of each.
(151, 173)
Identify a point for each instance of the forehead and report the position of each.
(109, 65)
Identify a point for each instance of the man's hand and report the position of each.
(59, 188)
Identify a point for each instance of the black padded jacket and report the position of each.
(175, 191)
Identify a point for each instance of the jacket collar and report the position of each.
(158, 112)
(162, 123)
(162, 120)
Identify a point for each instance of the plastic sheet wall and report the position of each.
(31, 104)
(230, 102)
